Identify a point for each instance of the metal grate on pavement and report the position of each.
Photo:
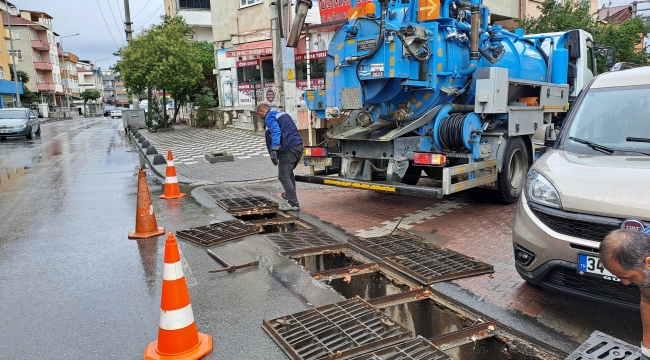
(390, 245)
(435, 265)
(226, 192)
(248, 205)
(341, 331)
(216, 233)
(604, 347)
(412, 349)
(304, 241)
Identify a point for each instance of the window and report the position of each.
(34, 36)
(37, 56)
(244, 3)
(16, 34)
(194, 4)
(41, 79)
(2, 72)
(18, 53)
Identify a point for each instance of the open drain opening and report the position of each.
(274, 222)
(325, 262)
(366, 286)
(255, 217)
(498, 348)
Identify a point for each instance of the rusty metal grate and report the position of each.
(248, 205)
(604, 347)
(390, 245)
(435, 265)
(216, 233)
(227, 192)
(412, 349)
(304, 241)
(341, 330)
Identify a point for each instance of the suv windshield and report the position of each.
(617, 118)
(12, 114)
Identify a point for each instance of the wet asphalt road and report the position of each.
(73, 286)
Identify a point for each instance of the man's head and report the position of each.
(626, 254)
(262, 108)
(318, 37)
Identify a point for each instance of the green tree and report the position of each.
(624, 37)
(162, 58)
(88, 95)
(204, 100)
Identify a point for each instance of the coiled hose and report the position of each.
(450, 132)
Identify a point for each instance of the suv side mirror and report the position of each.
(548, 140)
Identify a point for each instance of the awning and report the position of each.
(253, 48)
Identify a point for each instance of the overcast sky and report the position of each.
(94, 41)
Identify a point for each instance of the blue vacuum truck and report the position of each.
(420, 86)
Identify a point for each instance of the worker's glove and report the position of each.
(645, 351)
(274, 156)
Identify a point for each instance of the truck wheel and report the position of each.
(515, 166)
(412, 175)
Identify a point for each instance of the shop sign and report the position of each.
(336, 10)
(249, 52)
(312, 56)
(247, 63)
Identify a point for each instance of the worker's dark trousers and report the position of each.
(286, 164)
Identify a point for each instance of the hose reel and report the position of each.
(458, 132)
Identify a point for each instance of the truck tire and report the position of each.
(412, 175)
(512, 178)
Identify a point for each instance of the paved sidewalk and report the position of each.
(189, 146)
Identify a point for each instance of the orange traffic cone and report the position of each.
(178, 337)
(145, 219)
(172, 191)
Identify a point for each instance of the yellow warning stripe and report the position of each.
(359, 186)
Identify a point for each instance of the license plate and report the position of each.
(324, 161)
(5, 131)
(591, 265)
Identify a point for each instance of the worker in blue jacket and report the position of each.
(285, 147)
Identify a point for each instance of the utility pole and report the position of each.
(634, 9)
(129, 36)
(13, 55)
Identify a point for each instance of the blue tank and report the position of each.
(396, 67)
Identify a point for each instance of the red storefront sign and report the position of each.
(249, 52)
(247, 63)
(315, 84)
(246, 92)
(312, 56)
(336, 10)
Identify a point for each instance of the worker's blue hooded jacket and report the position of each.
(281, 130)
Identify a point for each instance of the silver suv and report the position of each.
(595, 179)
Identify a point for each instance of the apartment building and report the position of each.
(69, 78)
(36, 52)
(121, 95)
(7, 87)
(108, 81)
(196, 13)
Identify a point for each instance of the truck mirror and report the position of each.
(610, 58)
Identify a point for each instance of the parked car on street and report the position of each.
(107, 110)
(19, 122)
(593, 180)
(116, 113)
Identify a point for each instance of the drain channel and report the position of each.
(226, 192)
(413, 349)
(248, 205)
(216, 233)
(305, 242)
(604, 347)
(390, 245)
(341, 330)
(435, 265)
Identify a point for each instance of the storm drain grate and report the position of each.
(604, 347)
(390, 245)
(412, 349)
(311, 240)
(341, 330)
(435, 265)
(248, 205)
(216, 233)
(227, 192)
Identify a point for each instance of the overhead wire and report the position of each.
(119, 10)
(115, 20)
(145, 5)
(106, 22)
(150, 17)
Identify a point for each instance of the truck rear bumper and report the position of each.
(386, 187)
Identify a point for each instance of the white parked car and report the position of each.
(116, 113)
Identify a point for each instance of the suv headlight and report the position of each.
(23, 124)
(539, 190)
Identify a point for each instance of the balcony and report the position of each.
(46, 87)
(40, 45)
(41, 65)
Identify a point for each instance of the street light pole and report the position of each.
(13, 56)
